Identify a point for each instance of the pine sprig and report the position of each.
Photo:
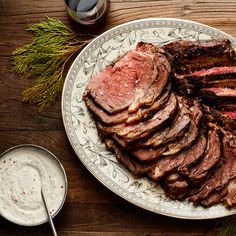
(44, 59)
(227, 227)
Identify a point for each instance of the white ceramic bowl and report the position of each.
(24, 170)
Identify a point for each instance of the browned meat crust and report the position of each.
(186, 143)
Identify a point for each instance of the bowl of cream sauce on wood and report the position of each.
(24, 171)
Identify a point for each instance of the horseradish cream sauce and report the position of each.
(24, 171)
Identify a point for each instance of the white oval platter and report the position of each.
(80, 127)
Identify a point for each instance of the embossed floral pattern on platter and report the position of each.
(81, 129)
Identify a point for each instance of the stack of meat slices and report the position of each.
(143, 115)
(206, 69)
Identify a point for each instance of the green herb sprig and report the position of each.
(227, 227)
(44, 59)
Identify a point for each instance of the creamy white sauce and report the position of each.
(23, 172)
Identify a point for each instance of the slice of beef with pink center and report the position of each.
(113, 88)
(146, 93)
(124, 116)
(230, 114)
(135, 80)
(219, 93)
(221, 77)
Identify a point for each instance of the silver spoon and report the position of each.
(48, 214)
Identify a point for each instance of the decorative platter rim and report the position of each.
(80, 128)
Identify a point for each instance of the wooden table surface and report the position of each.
(90, 208)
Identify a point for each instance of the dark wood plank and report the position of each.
(90, 209)
(107, 218)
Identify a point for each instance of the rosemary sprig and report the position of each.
(227, 227)
(44, 59)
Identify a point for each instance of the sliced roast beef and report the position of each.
(175, 187)
(148, 90)
(187, 65)
(184, 142)
(210, 158)
(211, 74)
(197, 149)
(230, 198)
(103, 116)
(219, 179)
(131, 133)
(187, 143)
(189, 56)
(175, 129)
(113, 88)
(137, 79)
(214, 198)
(150, 153)
(172, 132)
(135, 167)
(219, 93)
(190, 136)
(224, 119)
(229, 114)
(172, 148)
(226, 106)
(219, 98)
(229, 83)
(179, 162)
(184, 48)
(227, 194)
(147, 112)
(213, 77)
(169, 134)
(124, 116)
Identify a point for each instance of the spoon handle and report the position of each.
(49, 215)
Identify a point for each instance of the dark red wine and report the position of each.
(82, 5)
(87, 12)
(72, 4)
(86, 5)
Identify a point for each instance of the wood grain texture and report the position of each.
(90, 208)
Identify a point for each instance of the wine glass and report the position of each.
(87, 12)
